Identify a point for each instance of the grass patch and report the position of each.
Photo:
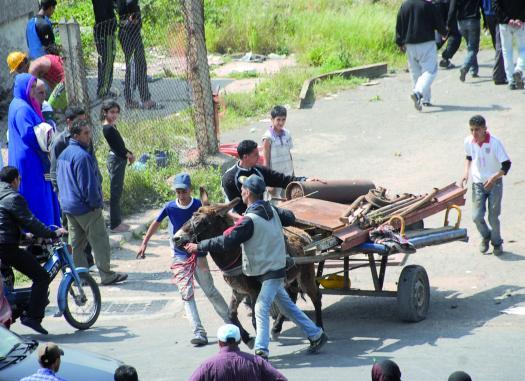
(281, 88)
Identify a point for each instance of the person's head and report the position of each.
(278, 115)
(459, 376)
(47, 7)
(182, 186)
(74, 113)
(40, 91)
(248, 153)
(478, 128)
(229, 335)
(49, 356)
(126, 373)
(11, 176)
(386, 370)
(81, 132)
(109, 111)
(18, 62)
(252, 189)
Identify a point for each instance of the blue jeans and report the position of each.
(480, 198)
(274, 289)
(470, 29)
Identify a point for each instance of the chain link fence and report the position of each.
(164, 92)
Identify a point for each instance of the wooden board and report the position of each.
(318, 213)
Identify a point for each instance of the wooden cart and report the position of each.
(334, 242)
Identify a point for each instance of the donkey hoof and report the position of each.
(251, 342)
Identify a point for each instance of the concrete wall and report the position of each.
(13, 19)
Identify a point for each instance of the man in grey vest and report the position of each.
(260, 233)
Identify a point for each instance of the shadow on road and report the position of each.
(448, 108)
(93, 335)
(358, 327)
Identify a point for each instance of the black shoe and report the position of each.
(484, 246)
(504, 82)
(316, 345)
(427, 104)
(261, 353)
(119, 277)
(462, 74)
(446, 64)
(199, 340)
(498, 250)
(416, 97)
(33, 324)
(475, 75)
(518, 78)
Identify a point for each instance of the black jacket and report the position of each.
(232, 186)
(464, 10)
(417, 21)
(506, 10)
(242, 231)
(15, 216)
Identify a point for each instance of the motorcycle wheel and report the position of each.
(82, 312)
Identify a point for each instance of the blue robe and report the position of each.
(25, 154)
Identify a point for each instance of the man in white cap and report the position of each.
(232, 364)
(49, 359)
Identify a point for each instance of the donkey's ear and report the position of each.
(225, 208)
(204, 196)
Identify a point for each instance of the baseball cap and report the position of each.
(253, 183)
(228, 331)
(14, 59)
(182, 181)
(48, 353)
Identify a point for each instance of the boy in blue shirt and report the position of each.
(179, 211)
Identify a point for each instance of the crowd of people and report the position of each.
(423, 26)
(53, 180)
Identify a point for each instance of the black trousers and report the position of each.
(26, 263)
(498, 71)
(117, 171)
(104, 34)
(454, 36)
(133, 48)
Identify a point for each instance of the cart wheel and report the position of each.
(413, 294)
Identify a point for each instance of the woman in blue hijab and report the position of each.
(25, 153)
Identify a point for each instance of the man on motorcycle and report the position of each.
(15, 216)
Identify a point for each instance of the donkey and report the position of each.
(212, 220)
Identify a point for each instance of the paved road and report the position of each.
(371, 132)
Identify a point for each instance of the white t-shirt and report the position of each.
(486, 159)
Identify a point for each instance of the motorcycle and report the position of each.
(78, 294)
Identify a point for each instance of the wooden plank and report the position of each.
(319, 213)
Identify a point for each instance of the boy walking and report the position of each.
(417, 21)
(277, 143)
(179, 211)
(487, 162)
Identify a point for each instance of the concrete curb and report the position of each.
(307, 96)
(138, 223)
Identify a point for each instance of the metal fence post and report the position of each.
(199, 78)
(74, 67)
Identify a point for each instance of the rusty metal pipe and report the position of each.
(341, 191)
(394, 206)
(420, 203)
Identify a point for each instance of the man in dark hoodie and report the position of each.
(246, 166)
(468, 15)
(15, 216)
(260, 233)
(417, 22)
(510, 15)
